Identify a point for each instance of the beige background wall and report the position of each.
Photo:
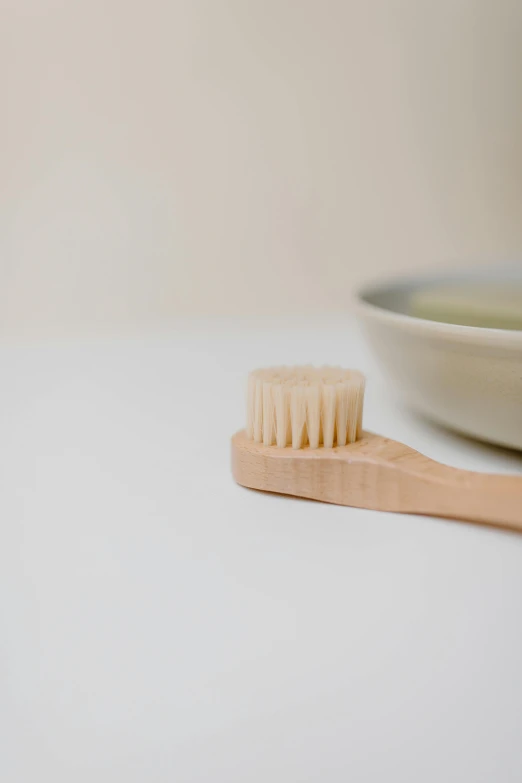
(216, 156)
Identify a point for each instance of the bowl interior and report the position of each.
(397, 296)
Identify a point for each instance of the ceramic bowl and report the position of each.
(467, 378)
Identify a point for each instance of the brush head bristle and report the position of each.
(300, 406)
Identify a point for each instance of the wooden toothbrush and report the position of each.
(304, 437)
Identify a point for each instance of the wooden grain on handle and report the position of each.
(381, 474)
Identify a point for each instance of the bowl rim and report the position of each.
(470, 334)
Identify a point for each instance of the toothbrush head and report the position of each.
(305, 406)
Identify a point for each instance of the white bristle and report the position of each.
(328, 415)
(313, 415)
(298, 415)
(281, 410)
(301, 406)
(258, 410)
(268, 414)
(341, 413)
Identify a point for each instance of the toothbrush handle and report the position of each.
(407, 481)
(380, 474)
(459, 494)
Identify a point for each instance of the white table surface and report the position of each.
(159, 623)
